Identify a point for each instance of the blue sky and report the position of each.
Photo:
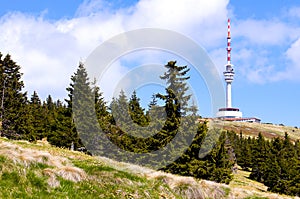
(48, 38)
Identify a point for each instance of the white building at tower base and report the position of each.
(229, 113)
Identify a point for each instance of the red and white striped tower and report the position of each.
(229, 73)
(228, 112)
(228, 43)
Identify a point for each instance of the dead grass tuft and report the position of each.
(71, 173)
(52, 178)
(43, 142)
(189, 187)
(27, 157)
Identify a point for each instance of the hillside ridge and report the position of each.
(38, 170)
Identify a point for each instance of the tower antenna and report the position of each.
(229, 72)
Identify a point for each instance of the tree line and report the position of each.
(275, 163)
(78, 119)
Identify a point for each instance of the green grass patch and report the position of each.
(129, 176)
(226, 190)
(2, 159)
(104, 179)
(91, 167)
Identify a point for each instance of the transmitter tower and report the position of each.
(228, 111)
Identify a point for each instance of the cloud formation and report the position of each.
(265, 49)
(49, 51)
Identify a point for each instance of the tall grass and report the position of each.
(40, 171)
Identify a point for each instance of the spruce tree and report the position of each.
(120, 111)
(176, 97)
(260, 154)
(80, 110)
(37, 118)
(244, 157)
(101, 108)
(51, 113)
(136, 111)
(13, 99)
(155, 112)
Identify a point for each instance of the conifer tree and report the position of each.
(51, 113)
(194, 109)
(79, 111)
(120, 110)
(153, 101)
(13, 99)
(155, 112)
(245, 153)
(100, 107)
(36, 121)
(50, 105)
(136, 111)
(176, 97)
(260, 154)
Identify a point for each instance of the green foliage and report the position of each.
(101, 109)
(275, 163)
(13, 99)
(176, 99)
(85, 114)
(136, 111)
(215, 166)
(36, 122)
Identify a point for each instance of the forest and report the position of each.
(84, 120)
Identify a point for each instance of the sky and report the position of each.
(49, 38)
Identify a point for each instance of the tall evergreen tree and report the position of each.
(120, 110)
(194, 109)
(136, 111)
(51, 113)
(260, 154)
(101, 108)
(13, 99)
(86, 103)
(80, 110)
(155, 112)
(37, 118)
(176, 97)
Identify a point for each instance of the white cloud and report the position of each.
(293, 71)
(294, 12)
(90, 7)
(264, 50)
(45, 54)
(49, 51)
(265, 32)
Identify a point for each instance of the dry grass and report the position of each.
(187, 187)
(242, 187)
(52, 177)
(60, 166)
(27, 156)
(268, 130)
(71, 173)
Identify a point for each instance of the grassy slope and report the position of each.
(268, 130)
(40, 171)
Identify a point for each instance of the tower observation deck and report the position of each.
(228, 111)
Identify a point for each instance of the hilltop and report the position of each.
(38, 170)
(268, 130)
